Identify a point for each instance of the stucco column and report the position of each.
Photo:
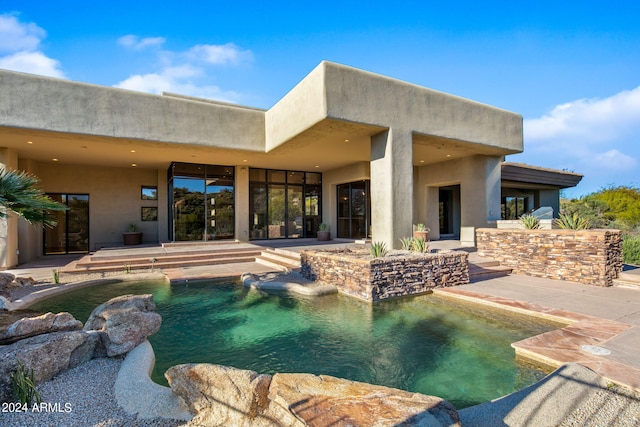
(480, 191)
(163, 205)
(8, 224)
(241, 201)
(391, 186)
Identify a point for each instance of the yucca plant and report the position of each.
(572, 222)
(418, 244)
(379, 249)
(24, 387)
(530, 222)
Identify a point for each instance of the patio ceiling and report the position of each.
(327, 145)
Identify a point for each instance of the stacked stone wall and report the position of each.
(388, 277)
(592, 257)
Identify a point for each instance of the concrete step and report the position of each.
(278, 258)
(478, 273)
(143, 262)
(105, 261)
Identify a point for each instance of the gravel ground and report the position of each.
(613, 407)
(84, 397)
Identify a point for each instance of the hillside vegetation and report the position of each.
(612, 207)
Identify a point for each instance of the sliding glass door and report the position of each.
(71, 233)
(202, 198)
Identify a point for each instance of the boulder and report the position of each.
(20, 282)
(5, 304)
(32, 326)
(221, 395)
(46, 354)
(6, 279)
(324, 400)
(124, 322)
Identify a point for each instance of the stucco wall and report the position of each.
(114, 198)
(38, 102)
(360, 96)
(330, 181)
(479, 180)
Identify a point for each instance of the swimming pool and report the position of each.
(425, 344)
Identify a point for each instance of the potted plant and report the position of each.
(133, 236)
(323, 232)
(421, 231)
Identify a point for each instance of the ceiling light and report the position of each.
(245, 160)
(133, 165)
(29, 142)
(448, 155)
(421, 161)
(346, 140)
(133, 151)
(317, 166)
(55, 160)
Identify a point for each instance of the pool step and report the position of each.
(93, 264)
(279, 258)
(485, 268)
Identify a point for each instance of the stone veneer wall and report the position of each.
(593, 257)
(388, 277)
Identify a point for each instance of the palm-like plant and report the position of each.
(19, 194)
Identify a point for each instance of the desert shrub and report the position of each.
(631, 249)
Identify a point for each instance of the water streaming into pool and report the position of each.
(426, 344)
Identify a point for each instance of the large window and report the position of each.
(513, 207)
(202, 202)
(354, 210)
(284, 204)
(71, 232)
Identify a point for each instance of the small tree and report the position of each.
(19, 194)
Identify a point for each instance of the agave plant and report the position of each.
(406, 243)
(419, 244)
(378, 249)
(530, 222)
(573, 222)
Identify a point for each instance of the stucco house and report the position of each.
(367, 154)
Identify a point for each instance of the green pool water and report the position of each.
(425, 344)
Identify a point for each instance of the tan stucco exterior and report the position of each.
(346, 123)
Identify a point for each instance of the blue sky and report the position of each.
(572, 69)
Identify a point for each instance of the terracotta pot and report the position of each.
(421, 235)
(132, 238)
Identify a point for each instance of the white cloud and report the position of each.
(220, 54)
(596, 137)
(613, 160)
(20, 41)
(16, 36)
(590, 120)
(134, 42)
(184, 72)
(33, 63)
(176, 80)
